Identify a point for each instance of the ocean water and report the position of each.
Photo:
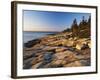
(27, 35)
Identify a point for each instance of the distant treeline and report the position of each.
(83, 29)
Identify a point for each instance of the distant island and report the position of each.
(68, 48)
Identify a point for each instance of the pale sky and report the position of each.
(50, 21)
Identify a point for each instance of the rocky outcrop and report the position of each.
(32, 43)
(59, 50)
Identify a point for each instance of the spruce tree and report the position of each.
(74, 28)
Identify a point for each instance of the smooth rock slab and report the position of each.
(73, 64)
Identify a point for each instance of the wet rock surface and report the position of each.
(59, 50)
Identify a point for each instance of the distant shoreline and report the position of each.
(43, 31)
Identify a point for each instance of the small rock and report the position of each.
(60, 49)
(89, 44)
(48, 57)
(37, 65)
(84, 46)
(79, 46)
(57, 62)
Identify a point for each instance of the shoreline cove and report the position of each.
(31, 35)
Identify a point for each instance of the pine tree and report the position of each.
(83, 24)
(84, 27)
(89, 21)
(89, 25)
(74, 28)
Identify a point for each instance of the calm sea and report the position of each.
(27, 35)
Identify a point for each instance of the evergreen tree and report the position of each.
(74, 28)
(83, 24)
(89, 25)
(67, 30)
(84, 27)
(83, 30)
(89, 20)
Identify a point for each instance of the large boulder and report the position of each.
(68, 43)
(81, 46)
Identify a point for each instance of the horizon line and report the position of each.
(40, 31)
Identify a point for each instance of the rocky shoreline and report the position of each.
(59, 50)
